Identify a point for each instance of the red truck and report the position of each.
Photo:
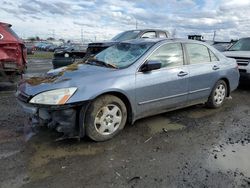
(13, 53)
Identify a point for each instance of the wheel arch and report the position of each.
(228, 85)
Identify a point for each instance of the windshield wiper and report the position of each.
(93, 61)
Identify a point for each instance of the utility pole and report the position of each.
(136, 24)
(82, 35)
(53, 34)
(214, 35)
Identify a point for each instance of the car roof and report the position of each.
(145, 30)
(245, 38)
(142, 40)
(157, 40)
(5, 24)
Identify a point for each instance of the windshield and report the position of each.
(123, 54)
(127, 35)
(221, 46)
(241, 45)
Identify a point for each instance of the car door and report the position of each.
(203, 71)
(164, 88)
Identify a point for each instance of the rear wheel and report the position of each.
(218, 95)
(105, 118)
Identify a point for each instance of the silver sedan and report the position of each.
(126, 82)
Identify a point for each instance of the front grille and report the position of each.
(242, 61)
(23, 97)
(243, 64)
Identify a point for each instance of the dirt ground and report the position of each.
(192, 147)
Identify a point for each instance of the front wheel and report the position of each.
(105, 118)
(218, 95)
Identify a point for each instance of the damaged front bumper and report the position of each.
(63, 118)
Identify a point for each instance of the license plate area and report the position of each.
(10, 65)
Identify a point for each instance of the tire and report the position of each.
(105, 118)
(218, 95)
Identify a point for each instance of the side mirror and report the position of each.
(150, 65)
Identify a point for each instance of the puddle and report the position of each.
(38, 174)
(44, 153)
(201, 112)
(158, 123)
(235, 157)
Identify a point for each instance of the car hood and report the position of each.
(75, 75)
(102, 44)
(241, 54)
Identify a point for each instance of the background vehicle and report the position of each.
(222, 46)
(94, 48)
(30, 47)
(126, 82)
(42, 45)
(52, 48)
(12, 51)
(68, 55)
(62, 47)
(241, 52)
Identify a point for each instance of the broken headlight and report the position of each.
(54, 97)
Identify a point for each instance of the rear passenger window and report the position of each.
(169, 55)
(213, 56)
(197, 53)
(162, 35)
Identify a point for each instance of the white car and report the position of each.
(241, 52)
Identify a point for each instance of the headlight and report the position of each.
(66, 55)
(54, 97)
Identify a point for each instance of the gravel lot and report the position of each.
(192, 147)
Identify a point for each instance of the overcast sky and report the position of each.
(104, 18)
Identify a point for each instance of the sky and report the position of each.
(102, 19)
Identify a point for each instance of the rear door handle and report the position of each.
(215, 67)
(182, 73)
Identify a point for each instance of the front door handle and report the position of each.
(182, 73)
(215, 67)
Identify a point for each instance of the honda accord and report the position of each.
(126, 82)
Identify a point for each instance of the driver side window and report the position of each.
(169, 55)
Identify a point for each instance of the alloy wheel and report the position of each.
(108, 119)
(219, 94)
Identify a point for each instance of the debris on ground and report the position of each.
(165, 130)
(134, 178)
(148, 140)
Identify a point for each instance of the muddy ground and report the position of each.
(192, 147)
